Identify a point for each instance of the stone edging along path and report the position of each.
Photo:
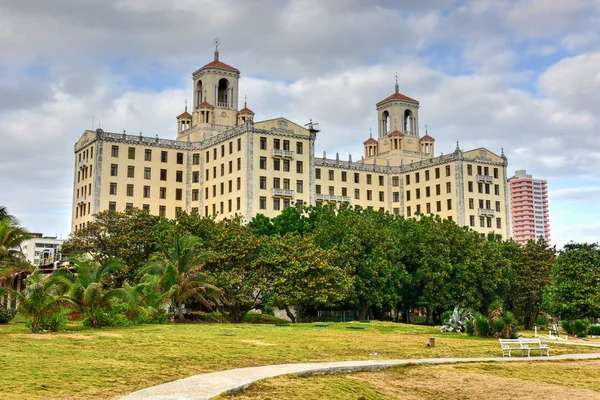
(207, 386)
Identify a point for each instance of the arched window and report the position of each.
(385, 122)
(198, 98)
(222, 93)
(408, 122)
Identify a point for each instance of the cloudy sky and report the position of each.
(523, 75)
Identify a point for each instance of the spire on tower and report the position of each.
(185, 105)
(397, 87)
(370, 133)
(217, 42)
(245, 101)
(457, 146)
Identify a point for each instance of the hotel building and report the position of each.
(222, 162)
(529, 203)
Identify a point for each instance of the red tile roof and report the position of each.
(397, 96)
(184, 114)
(396, 133)
(427, 137)
(370, 140)
(219, 64)
(246, 110)
(206, 104)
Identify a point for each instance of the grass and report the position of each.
(527, 380)
(86, 363)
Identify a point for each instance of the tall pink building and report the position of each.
(529, 204)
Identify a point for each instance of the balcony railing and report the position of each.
(80, 199)
(222, 105)
(283, 153)
(283, 192)
(487, 212)
(330, 197)
(84, 162)
(485, 178)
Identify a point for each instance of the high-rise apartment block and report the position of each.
(529, 203)
(223, 162)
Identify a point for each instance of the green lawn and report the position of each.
(106, 363)
(551, 380)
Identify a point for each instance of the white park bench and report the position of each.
(523, 345)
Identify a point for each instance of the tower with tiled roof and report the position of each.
(398, 107)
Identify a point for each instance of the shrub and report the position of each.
(481, 325)
(580, 327)
(542, 320)
(258, 318)
(268, 310)
(456, 321)
(54, 322)
(469, 328)
(446, 316)
(6, 315)
(595, 330)
(566, 325)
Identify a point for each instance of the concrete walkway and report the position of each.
(206, 386)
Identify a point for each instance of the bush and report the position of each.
(258, 318)
(580, 327)
(481, 325)
(469, 328)
(566, 325)
(542, 320)
(446, 316)
(6, 315)
(457, 320)
(55, 322)
(595, 330)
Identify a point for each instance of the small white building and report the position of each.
(42, 250)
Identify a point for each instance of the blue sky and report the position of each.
(523, 75)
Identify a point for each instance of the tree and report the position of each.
(301, 274)
(130, 236)
(180, 267)
(575, 290)
(88, 291)
(533, 274)
(43, 295)
(11, 237)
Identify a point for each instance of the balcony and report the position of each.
(283, 153)
(83, 163)
(222, 105)
(487, 212)
(485, 178)
(283, 192)
(331, 197)
(80, 200)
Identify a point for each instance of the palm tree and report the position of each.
(180, 269)
(43, 295)
(11, 237)
(88, 292)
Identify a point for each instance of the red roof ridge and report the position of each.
(397, 96)
(395, 132)
(370, 140)
(219, 64)
(205, 104)
(427, 137)
(246, 110)
(184, 114)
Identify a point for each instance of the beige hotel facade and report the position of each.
(223, 163)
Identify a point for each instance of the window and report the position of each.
(470, 184)
(299, 167)
(498, 206)
(196, 159)
(427, 192)
(408, 195)
(112, 205)
(196, 176)
(489, 222)
(179, 176)
(437, 189)
(113, 188)
(207, 174)
(130, 171)
(480, 203)
(418, 208)
(299, 186)
(178, 194)
(407, 180)
(496, 173)
(417, 179)
(162, 193)
(396, 197)
(286, 145)
(148, 155)
(472, 220)
(286, 184)
(344, 191)
(230, 186)
(418, 193)
(470, 172)
(331, 175)
(215, 171)
(381, 180)
(357, 194)
(230, 167)
(239, 164)
(395, 181)
(381, 196)
(438, 206)
(276, 183)
(437, 173)
(448, 187)
(162, 211)
(222, 169)
(239, 144)
(239, 183)
(427, 175)
(276, 164)
(331, 191)
(214, 158)
(263, 143)
(276, 204)
(299, 147)
(263, 163)
(114, 169)
(318, 173)
(447, 170)
(229, 205)
(195, 194)
(276, 143)
(481, 222)
(369, 195)
(262, 203)
(286, 165)
(147, 173)
(479, 170)
(356, 177)
(486, 170)
(428, 208)
(497, 190)
(480, 187)
(207, 156)
(487, 188)
(206, 193)
(238, 203)
(263, 182)
(114, 152)
(230, 150)
(318, 189)
(130, 190)
(449, 204)
(147, 192)
(408, 213)
(369, 179)
(163, 156)
(222, 155)
(146, 207)
(471, 204)
(498, 223)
